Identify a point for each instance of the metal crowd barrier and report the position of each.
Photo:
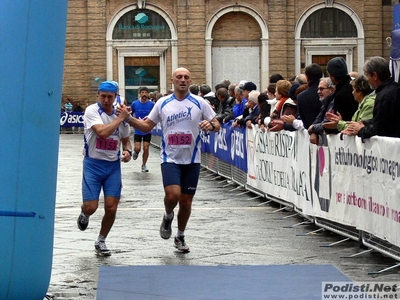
(239, 177)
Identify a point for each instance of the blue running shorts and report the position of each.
(187, 176)
(99, 174)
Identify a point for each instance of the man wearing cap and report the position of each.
(342, 100)
(141, 109)
(247, 88)
(241, 108)
(104, 132)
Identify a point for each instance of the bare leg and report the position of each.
(185, 209)
(136, 147)
(146, 147)
(110, 211)
(89, 207)
(171, 199)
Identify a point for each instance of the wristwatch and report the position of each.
(212, 125)
(130, 151)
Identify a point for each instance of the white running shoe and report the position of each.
(101, 248)
(165, 228)
(179, 243)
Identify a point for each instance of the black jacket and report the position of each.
(224, 110)
(344, 101)
(308, 104)
(385, 120)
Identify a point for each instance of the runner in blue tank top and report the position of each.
(141, 109)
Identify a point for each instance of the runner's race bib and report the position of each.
(106, 145)
(180, 139)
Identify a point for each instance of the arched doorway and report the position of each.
(325, 31)
(225, 50)
(141, 44)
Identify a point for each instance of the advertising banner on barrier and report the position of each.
(71, 119)
(228, 145)
(278, 165)
(157, 130)
(207, 142)
(345, 181)
(358, 184)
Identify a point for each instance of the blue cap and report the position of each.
(108, 86)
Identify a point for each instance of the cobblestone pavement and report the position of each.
(228, 226)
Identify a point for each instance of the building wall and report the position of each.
(85, 53)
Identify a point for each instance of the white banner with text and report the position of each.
(345, 180)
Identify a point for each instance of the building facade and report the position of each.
(140, 42)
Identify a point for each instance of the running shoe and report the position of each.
(83, 221)
(165, 228)
(101, 248)
(144, 168)
(179, 243)
(135, 155)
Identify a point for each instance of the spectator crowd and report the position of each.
(344, 102)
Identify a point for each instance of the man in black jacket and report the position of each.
(308, 103)
(387, 102)
(224, 108)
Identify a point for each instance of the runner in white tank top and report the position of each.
(182, 115)
(180, 126)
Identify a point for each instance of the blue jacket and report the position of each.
(238, 109)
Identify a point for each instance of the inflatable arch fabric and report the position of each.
(32, 57)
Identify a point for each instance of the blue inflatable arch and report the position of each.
(31, 71)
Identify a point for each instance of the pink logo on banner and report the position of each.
(321, 158)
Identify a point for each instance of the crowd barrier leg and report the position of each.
(280, 209)
(289, 216)
(236, 188)
(227, 181)
(254, 198)
(243, 193)
(357, 254)
(264, 203)
(204, 170)
(335, 243)
(384, 270)
(311, 232)
(307, 222)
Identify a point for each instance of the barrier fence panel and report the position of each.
(239, 176)
(346, 186)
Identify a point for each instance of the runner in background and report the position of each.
(141, 109)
